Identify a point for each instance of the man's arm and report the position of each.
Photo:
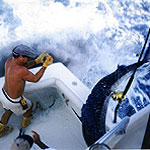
(29, 76)
(38, 141)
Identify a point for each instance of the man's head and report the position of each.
(22, 142)
(23, 50)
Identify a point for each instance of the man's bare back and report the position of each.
(14, 83)
(17, 73)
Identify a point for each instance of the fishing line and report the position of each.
(131, 79)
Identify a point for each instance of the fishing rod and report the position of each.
(130, 80)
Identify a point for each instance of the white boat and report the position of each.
(58, 96)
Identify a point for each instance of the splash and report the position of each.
(90, 37)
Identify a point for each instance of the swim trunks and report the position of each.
(13, 104)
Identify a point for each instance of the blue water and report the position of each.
(90, 37)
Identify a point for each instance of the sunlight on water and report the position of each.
(79, 32)
(98, 35)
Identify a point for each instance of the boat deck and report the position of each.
(54, 120)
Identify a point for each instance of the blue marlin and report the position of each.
(93, 113)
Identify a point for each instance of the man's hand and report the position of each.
(36, 137)
(38, 141)
(40, 58)
(48, 61)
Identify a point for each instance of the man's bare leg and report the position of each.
(27, 116)
(4, 129)
(5, 117)
(28, 113)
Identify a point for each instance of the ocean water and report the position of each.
(91, 37)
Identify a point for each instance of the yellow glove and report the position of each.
(118, 95)
(40, 58)
(48, 61)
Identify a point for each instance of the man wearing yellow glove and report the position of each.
(16, 75)
(40, 58)
(48, 61)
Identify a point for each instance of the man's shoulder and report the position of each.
(19, 69)
(9, 60)
(22, 69)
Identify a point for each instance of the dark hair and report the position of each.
(25, 56)
(25, 137)
(15, 56)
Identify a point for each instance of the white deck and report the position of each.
(58, 125)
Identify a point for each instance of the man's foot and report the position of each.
(4, 130)
(26, 121)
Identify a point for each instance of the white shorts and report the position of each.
(14, 107)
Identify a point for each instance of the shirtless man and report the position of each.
(16, 75)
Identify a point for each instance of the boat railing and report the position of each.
(112, 137)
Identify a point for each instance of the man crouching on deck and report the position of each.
(16, 74)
